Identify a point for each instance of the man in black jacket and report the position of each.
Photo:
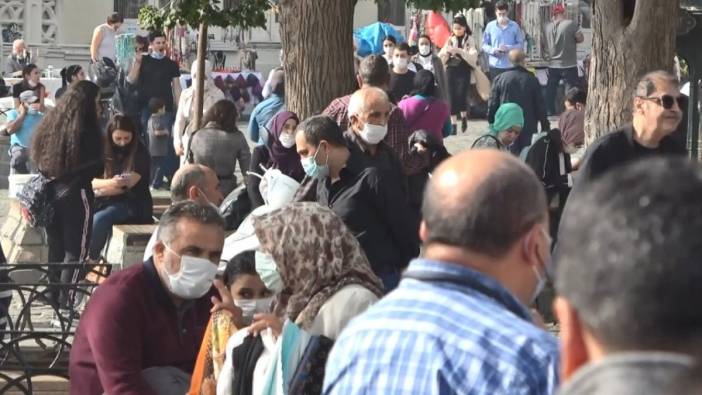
(519, 86)
(368, 200)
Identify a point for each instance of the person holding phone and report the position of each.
(501, 36)
(21, 123)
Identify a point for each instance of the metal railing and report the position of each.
(35, 333)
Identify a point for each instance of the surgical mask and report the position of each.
(214, 206)
(502, 20)
(251, 307)
(401, 63)
(374, 134)
(314, 170)
(31, 110)
(32, 84)
(158, 55)
(194, 278)
(287, 140)
(425, 50)
(268, 271)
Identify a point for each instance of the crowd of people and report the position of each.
(370, 260)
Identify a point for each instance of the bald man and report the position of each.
(369, 111)
(518, 85)
(197, 183)
(459, 323)
(19, 58)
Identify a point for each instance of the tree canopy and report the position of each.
(245, 14)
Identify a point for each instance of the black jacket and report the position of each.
(373, 207)
(520, 86)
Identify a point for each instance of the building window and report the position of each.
(129, 8)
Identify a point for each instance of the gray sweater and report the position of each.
(220, 150)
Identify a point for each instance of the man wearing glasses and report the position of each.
(657, 111)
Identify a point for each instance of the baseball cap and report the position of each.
(28, 97)
(559, 9)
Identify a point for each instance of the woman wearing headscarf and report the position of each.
(509, 121)
(426, 58)
(186, 107)
(423, 110)
(279, 152)
(324, 276)
(461, 60)
(70, 75)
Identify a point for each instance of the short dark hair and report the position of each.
(576, 95)
(628, 258)
(392, 39)
(202, 213)
(115, 17)
(374, 70)
(647, 84)
(154, 35)
(403, 47)
(243, 263)
(156, 104)
(502, 5)
(321, 127)
(502, 209)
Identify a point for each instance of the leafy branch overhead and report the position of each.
(446, 5)
(244, 14)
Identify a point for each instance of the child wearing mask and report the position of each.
(251, 296)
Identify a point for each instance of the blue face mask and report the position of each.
(268, 271)
(158, 55)
(314, 170)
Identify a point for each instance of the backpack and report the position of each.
(36, 204)
(549, 161)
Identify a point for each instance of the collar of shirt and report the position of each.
(465, 278)
(159, 290)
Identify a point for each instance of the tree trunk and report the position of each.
(317, 39)
(200, 81)
(630, 38)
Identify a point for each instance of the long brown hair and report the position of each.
(57, 140)
(125, 124)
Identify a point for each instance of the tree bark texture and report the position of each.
(317, 39)
(200, 82)
(630, 38)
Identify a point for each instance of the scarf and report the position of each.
(284, 159)
(316, 256)
(507, 116)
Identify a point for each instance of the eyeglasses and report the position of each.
(667, 101)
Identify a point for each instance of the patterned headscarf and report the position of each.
(316, 256)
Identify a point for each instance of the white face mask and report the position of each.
(502, 20)
(287, 140)
(251, 307)
(374, 134)
(32, 83)
(268, 271)
(425, 50)
(401, 63)
(194, 278)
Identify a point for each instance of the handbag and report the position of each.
(36, 205)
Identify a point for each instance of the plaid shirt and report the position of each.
(462, 333)
(397, 137)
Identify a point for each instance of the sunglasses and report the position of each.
(667, 101)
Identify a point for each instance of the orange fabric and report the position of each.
(437, 29)
(211, 356)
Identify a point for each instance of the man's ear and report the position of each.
(423, 232)
(193, 193)
(574, 352)
(359, 81)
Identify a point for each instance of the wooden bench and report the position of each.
(127, 244)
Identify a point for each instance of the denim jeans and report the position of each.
(158, 171)
(112, 214)
(570, 75)
(19, 159)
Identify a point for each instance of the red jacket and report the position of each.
(131, 324)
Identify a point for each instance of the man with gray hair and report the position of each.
(518, 85)
(369, 111)
(192, 182)
(18, 59)
(142, 329)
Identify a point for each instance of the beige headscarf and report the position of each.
(316, 256)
